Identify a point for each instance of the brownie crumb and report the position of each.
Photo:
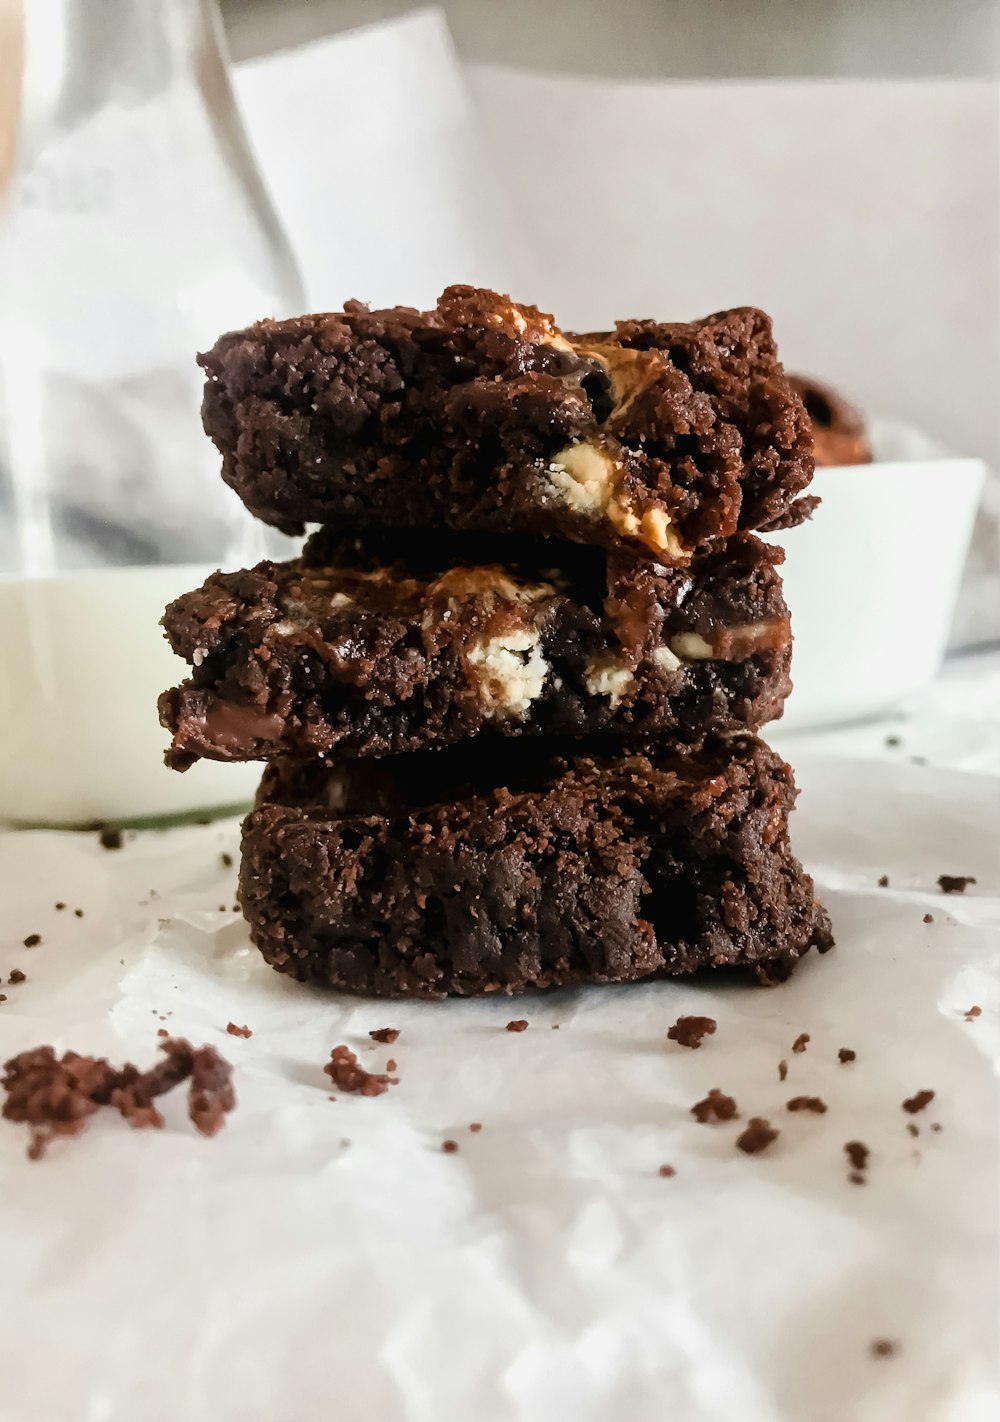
(955, 883)
(3, 997)
(391, 1064)
(918, 1101)
(519, 1025)
(913, 1128)
(801, 1042)
(384, 1034)
(893, 741)
(782, 1070)
(759, 1134)
(78, 913)
(555, 1026)
(807, 1103)
(449, 1147)
(666, 1171)
(935, 1125)
(32, 940)
(110, 838)
(690, 1031)
(162, 1032)
(347, 1075)
(846, 1054)
(227, 860)
(857, 1153)
(716, 1106)
(60, 907)
(475, 1127)
(235, 1031)
(883, 881)
(928, 918)
(17, 976)
(56, 1096)
(883, 1348)
(970, 1016)
(856, 1178)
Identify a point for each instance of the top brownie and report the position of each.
(482, 416)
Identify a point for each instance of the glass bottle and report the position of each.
(134, 229)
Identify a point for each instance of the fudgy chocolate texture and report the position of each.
(391, 643)
(463, 872)
(481, 415)
(840, 434)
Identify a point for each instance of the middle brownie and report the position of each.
(388, 642)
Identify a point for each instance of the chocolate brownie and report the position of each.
(840, 435)
(393, 643)
(459, 871)
(482, 415)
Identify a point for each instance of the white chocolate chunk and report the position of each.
(511, 672)
(584, 477)
(608, 677)
(665, 660)
(691, 647)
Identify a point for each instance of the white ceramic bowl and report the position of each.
(872, 579)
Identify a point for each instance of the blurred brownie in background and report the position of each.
(840, 432)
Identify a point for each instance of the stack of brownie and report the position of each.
(508, 694)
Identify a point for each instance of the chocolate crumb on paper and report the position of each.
(782, 1070)
(17, 976)
(801, 1042)
(973, 1012)
(391, 1064)
(666, 1171)
(78, 913)
(913, 1128)
(883, 1348)
(893, 741)
(32, 940)
(226, 860)
(757, 1136)
(475, 1127)
(716, 1106)
(110, 838)
(807, 1103)
(519, 1025)
(954, 883)
(918, 1101)
(347, 1075)
(387, 1035)
(691, 1031)
(883, 881)
(449, 1147)
(235, 1031)
(928, 918)
(846, 1054)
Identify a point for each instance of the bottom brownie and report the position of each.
(453, 872)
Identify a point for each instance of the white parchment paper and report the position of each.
(327, 1259)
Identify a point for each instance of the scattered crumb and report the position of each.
(807, 1103)
(955, 883)
(690, 1031)
(970, 1016)
(857, 1153)
(759, 1134)
(856, 1178)
(3, 997)
(716, 1106)
(782, 1070)
(227, 860)
(449, 1147)
(883, 881)
(235, 1031)
(928, 918)
(935, 1125)
(162, 1032)
(913, 1129)
(892, 741)
(17, 976)
(918, 1101)
(347, 1075)
(78, 913)
(555, 1026)
(517, 1026)
(666, 1171)
(391, 1064)
(846, 1054)
(344, 1141)
(475, 1126)
(801, 1042)
(32, 940)
(110, 838)
(384, 1034)
(60, 907)
(56, 1096)
(883, 1348)
(222, 908)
